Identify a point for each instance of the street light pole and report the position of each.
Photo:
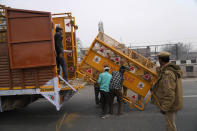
(177, 54)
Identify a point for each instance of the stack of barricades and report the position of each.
(138, 79)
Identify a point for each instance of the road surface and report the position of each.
(81, 114)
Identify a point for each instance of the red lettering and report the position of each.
(129, 78)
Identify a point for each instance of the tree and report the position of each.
(178, 51)
(79, 43)
(79, 48)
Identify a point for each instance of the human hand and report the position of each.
(61, 55)
(163, 112)
(151, 89)
(68, 51)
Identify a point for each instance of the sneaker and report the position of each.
(105, 116)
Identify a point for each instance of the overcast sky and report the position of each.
(139, 22)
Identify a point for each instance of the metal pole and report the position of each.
(67, 83)
(177, 55)
(155, 52)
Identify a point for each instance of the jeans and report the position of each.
(61, 62)
(104, 102)
(118, 94)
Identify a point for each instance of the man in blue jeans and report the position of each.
(60, 52)
(104, 81)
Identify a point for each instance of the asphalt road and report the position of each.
(81, 114)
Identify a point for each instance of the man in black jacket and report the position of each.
(60, 52)
(116, 88)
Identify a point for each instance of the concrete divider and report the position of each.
(189, 67)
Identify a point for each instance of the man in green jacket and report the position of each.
(167, 92)
(104, 81)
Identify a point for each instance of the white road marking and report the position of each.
(190, 96)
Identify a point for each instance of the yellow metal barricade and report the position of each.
(106, 51)
(130, 53)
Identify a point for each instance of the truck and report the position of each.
(28, 68)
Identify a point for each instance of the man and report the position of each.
(167, 91)
(60, 52)
(116, 89)
(104, 81)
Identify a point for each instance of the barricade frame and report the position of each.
(88, 62)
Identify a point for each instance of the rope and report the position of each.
(166, 117)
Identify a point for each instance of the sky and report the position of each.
(135, 22)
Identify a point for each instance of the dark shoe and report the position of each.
(98, 106)
(111, 113)
(119, 114)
